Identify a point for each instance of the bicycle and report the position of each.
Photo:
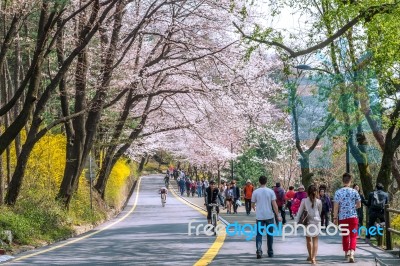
(214, 216)
(163, 199)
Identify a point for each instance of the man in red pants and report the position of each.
(346, 203)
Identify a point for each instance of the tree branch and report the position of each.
(365, 15)
(164, 130)
(329, 121)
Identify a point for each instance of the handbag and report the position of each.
(238, 203)
(304, 218)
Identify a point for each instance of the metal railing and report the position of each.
(388, 229)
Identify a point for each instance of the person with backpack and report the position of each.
(248, 192)
(181, 186)
(280, 201)
(346, 201)
(376, 203)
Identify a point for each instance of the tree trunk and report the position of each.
(86, 127)
(2, 187)
(111, 158)
(195, 173)
(72, 171)
(17, 82)
(141, 164)
(306, 175)
(147, 159)
(359, 153)
(76, 141)
(14, 186)
(105, 171)
(76, 154)
(386, 165)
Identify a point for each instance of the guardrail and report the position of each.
(388, 229)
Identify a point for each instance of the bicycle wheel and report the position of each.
(214, 219)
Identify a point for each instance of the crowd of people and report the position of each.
(346, 210)
(229, 194)
(271, 204)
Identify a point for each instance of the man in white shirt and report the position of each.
(264, 198)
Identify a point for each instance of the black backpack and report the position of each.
(378, 201)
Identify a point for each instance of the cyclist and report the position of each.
(163, 191)
(166, 180)
(211, 196)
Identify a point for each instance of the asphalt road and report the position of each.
(146, 233)
(291, 250)
(149, 235)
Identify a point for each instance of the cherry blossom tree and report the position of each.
(237, 101)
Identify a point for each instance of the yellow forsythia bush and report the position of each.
(117, 188)
(395, 223)
(46, 165)
(37, 215)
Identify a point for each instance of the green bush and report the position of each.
(33, 220)
(23, 231)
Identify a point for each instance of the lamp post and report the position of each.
(232, 161)
(307, 67)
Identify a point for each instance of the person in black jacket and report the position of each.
(360, 211)
(376, 203)
(236, 195)
(211, 196)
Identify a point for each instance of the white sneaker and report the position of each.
(351, 257)
(347, 255)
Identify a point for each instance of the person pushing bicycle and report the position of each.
(211, 196)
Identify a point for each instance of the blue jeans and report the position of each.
(270, 238)
(199, 192)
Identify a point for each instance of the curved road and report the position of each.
(144, 233)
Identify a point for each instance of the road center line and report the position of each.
(210, 254)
